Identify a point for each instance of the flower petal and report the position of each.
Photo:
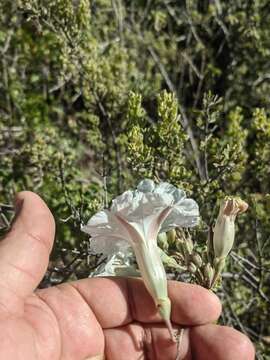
(164, 187)
(108, 245)
(135, 236)
(98, 222)
(118, 264)
(146, 185)
(185, 214)
(122, 202)
(107, 233)
(179, 195)
(104, 223)
(149, 207)
(156, 223)
(148, 204)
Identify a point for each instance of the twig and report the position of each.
(107, 118)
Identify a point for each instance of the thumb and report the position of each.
(25, 250)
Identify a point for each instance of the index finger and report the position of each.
(118, 301)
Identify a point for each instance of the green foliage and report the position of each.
(96, 95)
(155, 148)
(261, 154)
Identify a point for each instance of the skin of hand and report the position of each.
(97, 318)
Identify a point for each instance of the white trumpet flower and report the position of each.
(134, 220)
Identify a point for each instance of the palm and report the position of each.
(57, 324)
(91, 317)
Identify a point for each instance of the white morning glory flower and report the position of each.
(138, 208)
(134, 220)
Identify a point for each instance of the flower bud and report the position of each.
(189, 244)
(192, 268)
(171, 235)
(184, 242)
(179, 257)
(180, 245)
(208, 273)
(169, 261)
(224, 230)
(196, 259)
(162, 240)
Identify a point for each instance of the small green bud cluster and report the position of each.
(194, 260)
(206, 266)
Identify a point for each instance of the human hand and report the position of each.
(91, 317)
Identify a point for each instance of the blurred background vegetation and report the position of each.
(96, 95)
